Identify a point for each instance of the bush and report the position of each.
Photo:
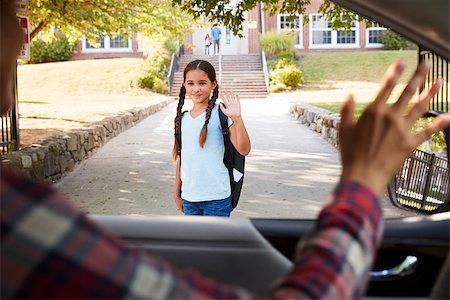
(283, 62)
(146, 82)
(277, 87)
(392, 41)
(277, 43)
(157, 69)
(290, 76)
(58, 48)
(160, 86)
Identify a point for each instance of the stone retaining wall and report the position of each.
(320, 120)
(53, 157)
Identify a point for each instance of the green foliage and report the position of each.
(283, 69)
(277, 87)
(276, 43)
(157, 69)
(89, 18)
(290, 76)
(283, 62)
(436, 144)
(53, 47)
(232, 16)
(393, 41)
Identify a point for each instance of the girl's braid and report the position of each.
(204, 131)
(177, 122)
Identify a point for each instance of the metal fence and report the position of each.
(10, 127)
(423, 183)
(439, 69)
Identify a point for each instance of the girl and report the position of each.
(208, 43)
(202, 184)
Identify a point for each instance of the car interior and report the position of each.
(250, 252)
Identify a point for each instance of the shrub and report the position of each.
(290, 76)
(157, 62)
(58, 48)
(392, 41)
(277, 43)
(146, 82)
(283, 62)
(277, 87)
(160, 86)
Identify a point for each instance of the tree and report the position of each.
(92, 18)
(231, 12)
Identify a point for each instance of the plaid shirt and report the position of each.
(51, 250)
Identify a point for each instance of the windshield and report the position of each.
(114, 113)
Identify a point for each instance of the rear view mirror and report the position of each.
(423, 183)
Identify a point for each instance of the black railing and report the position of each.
(10, 126)
(423, 183)
(174, 66)
(439, 69)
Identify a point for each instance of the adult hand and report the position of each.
(179, 204)
(232, 104)
(374, 148)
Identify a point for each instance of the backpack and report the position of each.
(233, 160)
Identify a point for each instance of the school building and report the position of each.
(316, 35)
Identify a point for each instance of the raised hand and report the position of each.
(232, 104)
(374, 147)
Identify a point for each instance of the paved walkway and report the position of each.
(289, 172)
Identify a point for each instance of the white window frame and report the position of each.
(140, 46)
(107, 48)
(334, 44)
(374, 27)
(299, 31)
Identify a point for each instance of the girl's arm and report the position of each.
(238, 134)
(177, 188)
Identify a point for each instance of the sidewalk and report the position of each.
(289, 172)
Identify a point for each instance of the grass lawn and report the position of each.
(335, 107)
(366, 66)
(331, 76)
(85, 90)
(69, 95)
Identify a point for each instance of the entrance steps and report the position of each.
(241, 74)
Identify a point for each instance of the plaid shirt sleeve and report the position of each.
(51, 250)
(334, 259)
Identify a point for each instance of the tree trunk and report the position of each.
(38, 29)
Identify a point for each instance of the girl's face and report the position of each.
(199, 86)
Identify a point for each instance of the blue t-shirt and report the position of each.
(216, 33)
(203, 174)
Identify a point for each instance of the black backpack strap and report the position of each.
(228, 155)
(224, 124)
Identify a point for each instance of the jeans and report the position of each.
(216, 45)
(220, 208)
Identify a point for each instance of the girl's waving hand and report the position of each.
(231, 105)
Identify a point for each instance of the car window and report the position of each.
(294, 164)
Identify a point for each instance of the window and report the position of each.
(107, 44)
(322, 36)
(373, 34)
(118, 42)
(293, 24)
(100, 40)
